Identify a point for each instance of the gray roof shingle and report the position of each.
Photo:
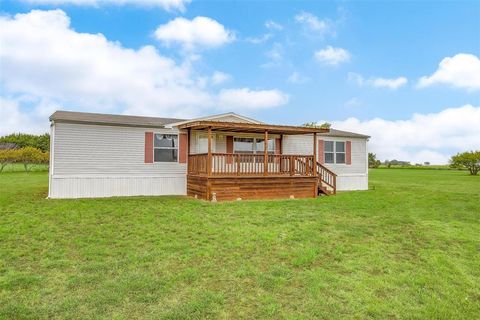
(111, 119)
(346, 134)
(150, 122)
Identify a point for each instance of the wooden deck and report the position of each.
(254, 176)
(230, 176)
(232, 188)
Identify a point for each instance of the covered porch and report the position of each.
(262, 173)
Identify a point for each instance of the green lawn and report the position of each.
(407, 248)
(15, 167)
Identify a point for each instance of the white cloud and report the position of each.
(220, 77)
(14, 119)
(313, 24)
(393, 84)
(297, 78)
(461, 71)
(430, 137)
(165, 4)
(332, 56)
(260, 39)
(200, 32)
(274, 55)
(46, 65)
(389, 83)
(245, 98)
(272, 25)
(353, 102)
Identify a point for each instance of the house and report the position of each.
(223, 157)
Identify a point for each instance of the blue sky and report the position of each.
(346, 62)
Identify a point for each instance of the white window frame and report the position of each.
(344, 152)
(254, 151)
(168, 148)
(203, 136)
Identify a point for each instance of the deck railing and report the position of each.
(327, 176)
(237, 164)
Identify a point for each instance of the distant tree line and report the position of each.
(22, 140)
(26, 149)
(469, 160)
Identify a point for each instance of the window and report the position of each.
(252, 145)
(243, 145)
(334, 151)
(339, 152)
(165, 148)
(260, 144)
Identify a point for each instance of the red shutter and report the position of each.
(182, 147)
(229, 149)
(229, 144)
(321, 149)
(148, 147)
(278, 146)
(348, 152)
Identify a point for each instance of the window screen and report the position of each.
(165, 148)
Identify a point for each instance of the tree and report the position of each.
(372, 160)
(23, 140)
(469, 160)
(324, 125)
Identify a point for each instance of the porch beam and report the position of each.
(265, 153)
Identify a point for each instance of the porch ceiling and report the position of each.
(249, 127)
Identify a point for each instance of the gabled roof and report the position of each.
(248, 127)
(218, 117)
(111, 119)
(215, 120)
(346, 134)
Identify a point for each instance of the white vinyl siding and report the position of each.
(95, 149)
(103, 161)
(232, 118)
(350, 177)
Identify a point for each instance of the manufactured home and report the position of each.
(220, 157)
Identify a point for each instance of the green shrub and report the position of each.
(27, 156)
(7, 157)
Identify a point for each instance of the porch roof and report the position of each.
(249, 127)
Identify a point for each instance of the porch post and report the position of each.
(265, 154)
(281, 152)
(209, 156)
(188, 150)
(314, 153)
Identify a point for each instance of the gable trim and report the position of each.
(214, 117)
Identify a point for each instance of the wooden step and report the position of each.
(325, 190)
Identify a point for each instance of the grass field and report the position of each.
(18, 167)
(408, 248)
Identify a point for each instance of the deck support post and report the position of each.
(265, 154)
(315, 154)
(315, 190)
(281, 152)
(209, 156)
(188, 150)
